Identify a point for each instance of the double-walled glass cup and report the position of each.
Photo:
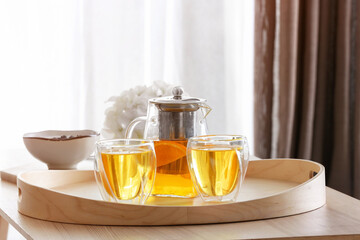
(217, 165)
(125, 169)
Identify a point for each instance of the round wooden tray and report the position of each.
(272, 188)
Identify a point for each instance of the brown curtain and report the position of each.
(307, 85)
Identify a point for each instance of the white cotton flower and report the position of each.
(129, 105)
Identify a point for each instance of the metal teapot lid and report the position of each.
(177, 102)
(177, 115)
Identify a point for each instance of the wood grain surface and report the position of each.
(4, 225)
(338, 219)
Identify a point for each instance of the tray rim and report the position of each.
(21, 178)
(320, 174)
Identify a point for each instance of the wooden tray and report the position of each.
(272, 188)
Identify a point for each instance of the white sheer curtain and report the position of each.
(39, 68)
(61, 60)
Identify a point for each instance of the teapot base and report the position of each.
(173, 185)
(172, 173)
(171, 196)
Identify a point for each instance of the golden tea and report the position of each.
(172, 172)
(124, 171)
(216, 170)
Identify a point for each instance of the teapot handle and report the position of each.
(130, 128)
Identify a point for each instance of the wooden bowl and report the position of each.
(61, 149)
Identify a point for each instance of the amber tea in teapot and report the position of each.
(172, 172)
(170, 122)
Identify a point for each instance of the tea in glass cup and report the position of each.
(125, 169)
(217, 165)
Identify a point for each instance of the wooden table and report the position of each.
(338, 219)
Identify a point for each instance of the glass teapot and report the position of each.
(170, 122)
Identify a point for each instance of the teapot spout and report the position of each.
(205, 109)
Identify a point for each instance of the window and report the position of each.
(61, 60)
